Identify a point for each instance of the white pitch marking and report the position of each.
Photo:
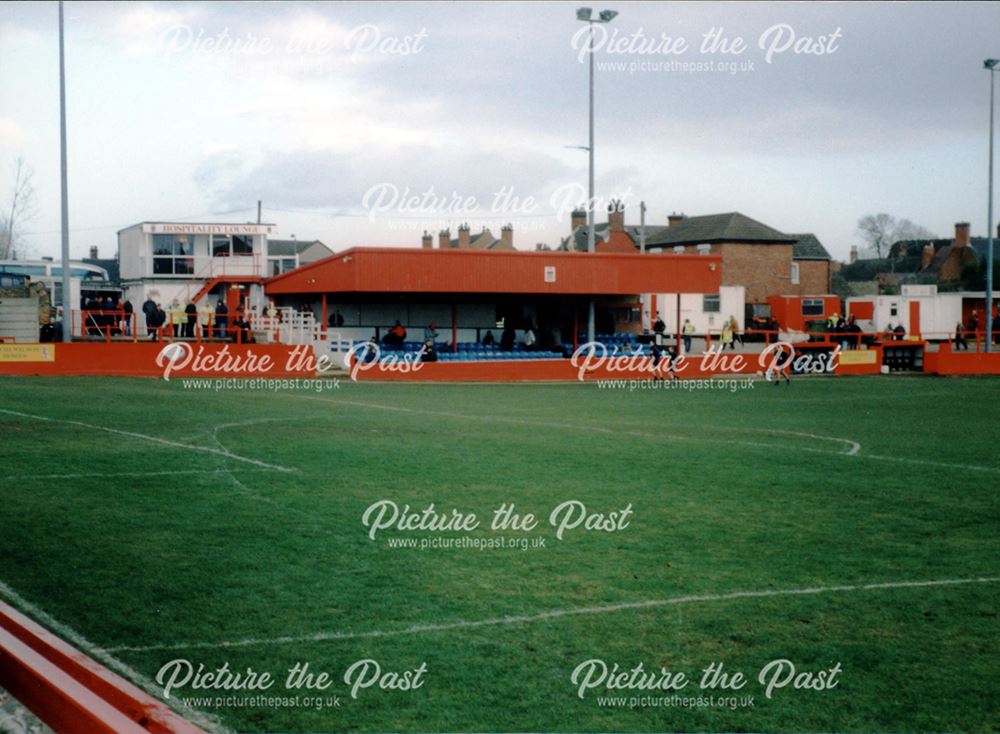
(553, 614)
(853, 446)
(101, 655)
(660, 436)
(98, 475)
(154, 439)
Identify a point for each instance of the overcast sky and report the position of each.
(330, 112)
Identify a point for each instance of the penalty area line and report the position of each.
(553, 614)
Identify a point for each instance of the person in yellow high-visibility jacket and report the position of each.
(687, 331)
(727, 335)
(177, 319)
(206, 314)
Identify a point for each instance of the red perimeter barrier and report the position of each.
(71, 692)
(127, 359)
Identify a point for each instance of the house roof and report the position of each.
(729, 227)
(288, 248)
(808, 247)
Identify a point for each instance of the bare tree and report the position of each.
(877, 232)
(881, 231)
(22, 209)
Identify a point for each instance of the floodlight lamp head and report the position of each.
(584, 14)
(608, 15)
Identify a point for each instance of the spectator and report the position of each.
(429, 353)
(395, 337)
(176, 319)
(149, 311)
(727, 336)
(960, 342)
(529, 338)
(899, 332)
(687, 331)
(734, 325)
(336, 319)
(974, 324)
(241, 330)
(656, 355)
(127, 311)
(507, 339)
(489, 339)
(191, 311)
(159, 319)
(221, 318)
(430, 333)
(205, 314)
(658, 326)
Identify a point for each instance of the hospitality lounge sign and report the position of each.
(175, 228)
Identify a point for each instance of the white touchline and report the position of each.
(153, 439)
(105, 475)
(554, 614)
(102, 656)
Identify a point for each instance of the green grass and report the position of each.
(729, 494)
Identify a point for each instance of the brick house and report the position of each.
(484, 240)
(947, 259)
(760, 258)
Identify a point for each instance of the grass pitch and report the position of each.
(225, 527)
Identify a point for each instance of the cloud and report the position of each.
(11, 134)
(335, 181)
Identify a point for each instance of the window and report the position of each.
(893, 309)
(279, 265)
(550, 273)
(710, 304)
(31, 270)
(172, 254)
(224, 245)
(812, 307)
(795, 273)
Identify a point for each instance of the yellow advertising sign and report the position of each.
(27, 352)
(857, 356)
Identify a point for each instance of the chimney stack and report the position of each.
(577, 219)
(427, 242)
(675, 218)
(463, 236)
(616, 216)
(93, 252)
(961, 234)
(507, 236)
(854, 254)
(444, 239)
(926, 255)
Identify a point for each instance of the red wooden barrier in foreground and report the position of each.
(71, 692)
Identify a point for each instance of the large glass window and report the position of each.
(224, 245)
(710, 303)
(172, 254)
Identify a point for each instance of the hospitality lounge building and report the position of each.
(187, 262)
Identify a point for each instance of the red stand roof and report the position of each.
(411, 270)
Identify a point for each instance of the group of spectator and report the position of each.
(185, 322)
(107, 316)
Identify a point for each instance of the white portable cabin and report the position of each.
(706, 311)
(919, 308)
